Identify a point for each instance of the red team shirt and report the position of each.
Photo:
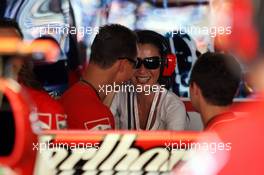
(50, 112)
(85, 109)
(217, 122)
(245, 133)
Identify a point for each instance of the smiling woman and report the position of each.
(156, 110)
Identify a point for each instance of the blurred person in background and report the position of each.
(53, 75)
(50, 112)
(153, 110)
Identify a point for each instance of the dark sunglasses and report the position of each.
(149, 62)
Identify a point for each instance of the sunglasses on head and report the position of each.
(149, 62)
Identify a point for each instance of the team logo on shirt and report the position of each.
(52, 121)
(100, 124)
(45, 120)
(61, 121)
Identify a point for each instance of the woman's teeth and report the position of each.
(143, 79)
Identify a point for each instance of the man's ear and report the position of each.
(120, 71)
(195, 88)
(117, 66)
(121, 66)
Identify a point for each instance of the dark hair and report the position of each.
(27, 77)
(113, 41)
(10, 23)
(154, 38)
(218, 76)
(160, 42)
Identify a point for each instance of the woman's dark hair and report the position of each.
(159, 41)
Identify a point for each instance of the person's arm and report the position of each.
(175, 115)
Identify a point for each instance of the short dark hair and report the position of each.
(218, 76)
(112, 42)
(10, 23)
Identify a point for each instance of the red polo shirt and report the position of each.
(85, 109)
(218, 122)
(50, 112)
(245, 133)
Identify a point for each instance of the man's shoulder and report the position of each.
(77, 93)
(43, 100)
(82, 98)
(223, 121)
(74, 88)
